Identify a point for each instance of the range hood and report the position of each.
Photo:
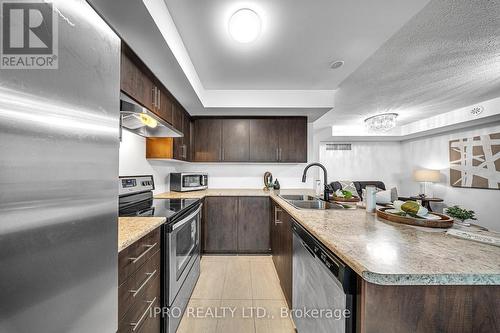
(134, 118)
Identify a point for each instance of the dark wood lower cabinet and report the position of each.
(424, 309)
(236, 225)
(253, 225)
(282, 249)
(139, 270)
(220, 225)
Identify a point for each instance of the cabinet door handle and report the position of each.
(279, 156)
(141, 319)
(223, 155)
(149, 247)
(138, 290)
(159, 99)
(153, 96)
(276, 220)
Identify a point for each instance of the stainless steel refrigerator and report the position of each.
(59, 142)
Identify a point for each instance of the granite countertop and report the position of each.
(131, 229)
(383, 252)
(216, 192)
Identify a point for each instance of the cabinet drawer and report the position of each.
(136, 285)
(131, 258)
(151, 325)
(142, 309)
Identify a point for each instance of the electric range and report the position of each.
(180, 242)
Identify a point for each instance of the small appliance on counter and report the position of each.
(192, 181)
(180, 241)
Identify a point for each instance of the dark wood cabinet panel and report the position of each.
(253, 224)
(235, 140)
(282, 249)
(207, 139)
(165, 110)
(275, 234)
(293, 139)
(186, 139)
(286, 239)
(264, 140)
(177, 116)
(128, 73)
(422, 309)
(139, 284)
(134, 82)
(220, 225)
(182, 145)
(143, 249)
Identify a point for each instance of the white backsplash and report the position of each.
(220, 175)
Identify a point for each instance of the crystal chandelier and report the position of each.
(381, 122)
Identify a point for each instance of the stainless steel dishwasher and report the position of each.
(324, 288)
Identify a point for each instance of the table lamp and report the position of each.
(426, 177)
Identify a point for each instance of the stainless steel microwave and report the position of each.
(192, 181)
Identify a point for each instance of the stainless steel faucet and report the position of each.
(304, 175)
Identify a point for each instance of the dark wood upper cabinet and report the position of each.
(293, 139)
(273, 139)
(165, 110)
(220, 225)
(127, 75)
(235, 140)
(134, 82)
(253, 225)
(264, 140)
(186, 139)
(177, 116)
(182, 145)
(207, 140)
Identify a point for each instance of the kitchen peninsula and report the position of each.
(424, 272)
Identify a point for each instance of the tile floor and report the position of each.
(236, 294)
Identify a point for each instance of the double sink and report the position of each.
(300, 201)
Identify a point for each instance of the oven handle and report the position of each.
(187, 219)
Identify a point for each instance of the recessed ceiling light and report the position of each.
(336, 64)
(245, 25)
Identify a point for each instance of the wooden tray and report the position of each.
(340, 199)
(444, 222)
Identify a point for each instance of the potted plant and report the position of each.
(461, 214)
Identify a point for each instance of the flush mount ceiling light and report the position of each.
(381, 122)
(244, 25)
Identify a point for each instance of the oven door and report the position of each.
(183, 250)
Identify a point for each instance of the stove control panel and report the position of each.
(135, 184)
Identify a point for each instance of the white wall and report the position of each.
(366, 161)
(220, 175)
(133, 162)
(433, 153)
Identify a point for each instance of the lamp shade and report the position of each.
(426, 175)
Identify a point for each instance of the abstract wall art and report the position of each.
(475, 162)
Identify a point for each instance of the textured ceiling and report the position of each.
(446, 57)
(298, 42)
